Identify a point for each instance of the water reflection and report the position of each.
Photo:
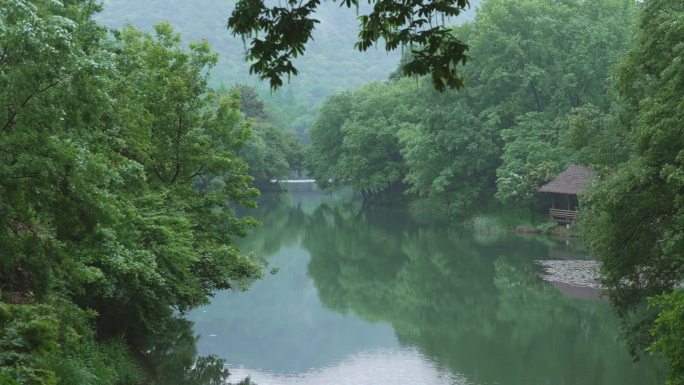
(284, 220)
(359, 292)
(378, 367)
(170, 358)
(279, 325)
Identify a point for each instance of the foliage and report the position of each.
(326, 136)
(250, 103)
(635, 221)
(668, 332)
(530, 76)
(38, 70)
(179, 219)
(447, 148)
(53, 344)
(597, 139)
(532, 156)
(331, 63)
(547, 227)
(507, 133)
(263, 154)
(354, 140)
(119, 173)
(279, 33)
(271, 152)
(370, 161)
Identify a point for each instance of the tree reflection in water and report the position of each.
(170, 358)
(474, 307)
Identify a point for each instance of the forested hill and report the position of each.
(331, 63)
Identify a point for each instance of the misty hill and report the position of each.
(330, 64)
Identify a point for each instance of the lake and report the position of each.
(380, 296)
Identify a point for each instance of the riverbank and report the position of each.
(516, 221)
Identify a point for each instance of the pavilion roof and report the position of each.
(571, 181)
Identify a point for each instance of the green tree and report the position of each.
(279, 33)
(271, 152)
(532, 155)
(326, 136)
(265, 154)
(597, 139)
(371, 162)
(450, 156)
(530, 75)
(177, 218)
(119, 173)
(668, 332)
(635, 215)
(509, 128)
(250, 103)
(44, 140)
(354, 140)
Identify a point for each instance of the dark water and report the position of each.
(380, 297)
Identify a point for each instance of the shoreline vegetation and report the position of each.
(535, 102)
(122, 172)
(489, 223)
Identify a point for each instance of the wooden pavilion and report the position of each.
(564, 190)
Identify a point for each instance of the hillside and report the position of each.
(330, 63)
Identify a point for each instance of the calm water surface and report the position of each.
(380, 297)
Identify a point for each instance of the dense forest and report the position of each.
(126, 152)
(522, 118)
(548, 84)
(120, 171)
(331, 63)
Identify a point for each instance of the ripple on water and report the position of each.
(575, 272)
(378, 367)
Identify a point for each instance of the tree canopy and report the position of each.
(636, 212)
(505, 134)
(119, 175)
(271, 152)
(278, 34)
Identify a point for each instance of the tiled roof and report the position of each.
(570, 181)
